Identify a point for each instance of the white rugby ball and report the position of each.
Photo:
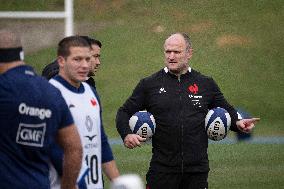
(143, 124)
(217, 123)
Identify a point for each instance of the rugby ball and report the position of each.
(143, 124)
(217, 123)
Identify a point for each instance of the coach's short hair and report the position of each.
(187, 40)
(73, 41)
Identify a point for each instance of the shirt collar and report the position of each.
(65, 83)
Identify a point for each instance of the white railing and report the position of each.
(67, 14)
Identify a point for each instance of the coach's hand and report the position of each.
(133, 140)
(246, 125)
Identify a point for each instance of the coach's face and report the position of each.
(75, 67)
(176, 54)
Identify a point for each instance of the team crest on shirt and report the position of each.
(93, 102)
(195, 99)
(193, 88)
(89, 125)
(31, 134)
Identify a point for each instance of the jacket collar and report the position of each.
(167, 70)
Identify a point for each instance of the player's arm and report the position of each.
(110, 169)
(68, 138)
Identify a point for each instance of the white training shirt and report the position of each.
(85, 110)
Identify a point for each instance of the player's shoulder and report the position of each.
(45, 88)
(51, 94)
(45, 84)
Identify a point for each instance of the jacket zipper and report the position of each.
(180, 99)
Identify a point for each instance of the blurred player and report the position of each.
(32, 114)
(74, 59)
(128, 181)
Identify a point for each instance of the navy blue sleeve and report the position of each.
(106, 150)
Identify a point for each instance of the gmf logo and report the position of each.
(31, 134)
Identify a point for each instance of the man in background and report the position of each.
(32, 114)
(95, 59)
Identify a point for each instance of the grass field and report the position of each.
(238, 43)
(237, 166)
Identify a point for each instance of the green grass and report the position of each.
(242, 165)
(246, 166)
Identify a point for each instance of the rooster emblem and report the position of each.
(193, 88)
